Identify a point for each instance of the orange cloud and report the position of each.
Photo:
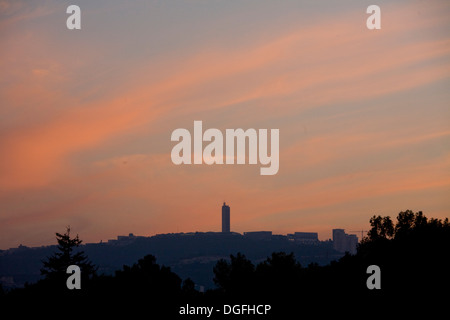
(40, 148)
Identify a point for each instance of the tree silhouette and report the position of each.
(188, 287)
(409, 225)
(144, 287)
(236, 276)
(413, 254)
(278, 273)
(55, 266)
(382, 228)
(146, 277)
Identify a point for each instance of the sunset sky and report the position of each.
(86, 116)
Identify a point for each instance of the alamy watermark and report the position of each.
(374, 280)
(235, 140)
(73, 281)
(73, 22)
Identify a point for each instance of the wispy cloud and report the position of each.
(102, 130)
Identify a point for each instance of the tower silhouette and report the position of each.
(225, 218)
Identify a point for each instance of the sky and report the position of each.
(86, 116)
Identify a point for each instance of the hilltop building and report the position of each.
(344, 242)
(304, 237)
(124, 240)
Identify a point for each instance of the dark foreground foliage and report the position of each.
(413, 255)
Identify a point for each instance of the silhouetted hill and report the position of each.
(190, 255)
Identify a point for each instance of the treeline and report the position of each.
(412, 254)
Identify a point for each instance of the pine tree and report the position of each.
(56, 265)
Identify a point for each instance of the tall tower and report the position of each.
(225, 218)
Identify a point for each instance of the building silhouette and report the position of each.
(304, 237)
(343, 242)
(225, 218)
